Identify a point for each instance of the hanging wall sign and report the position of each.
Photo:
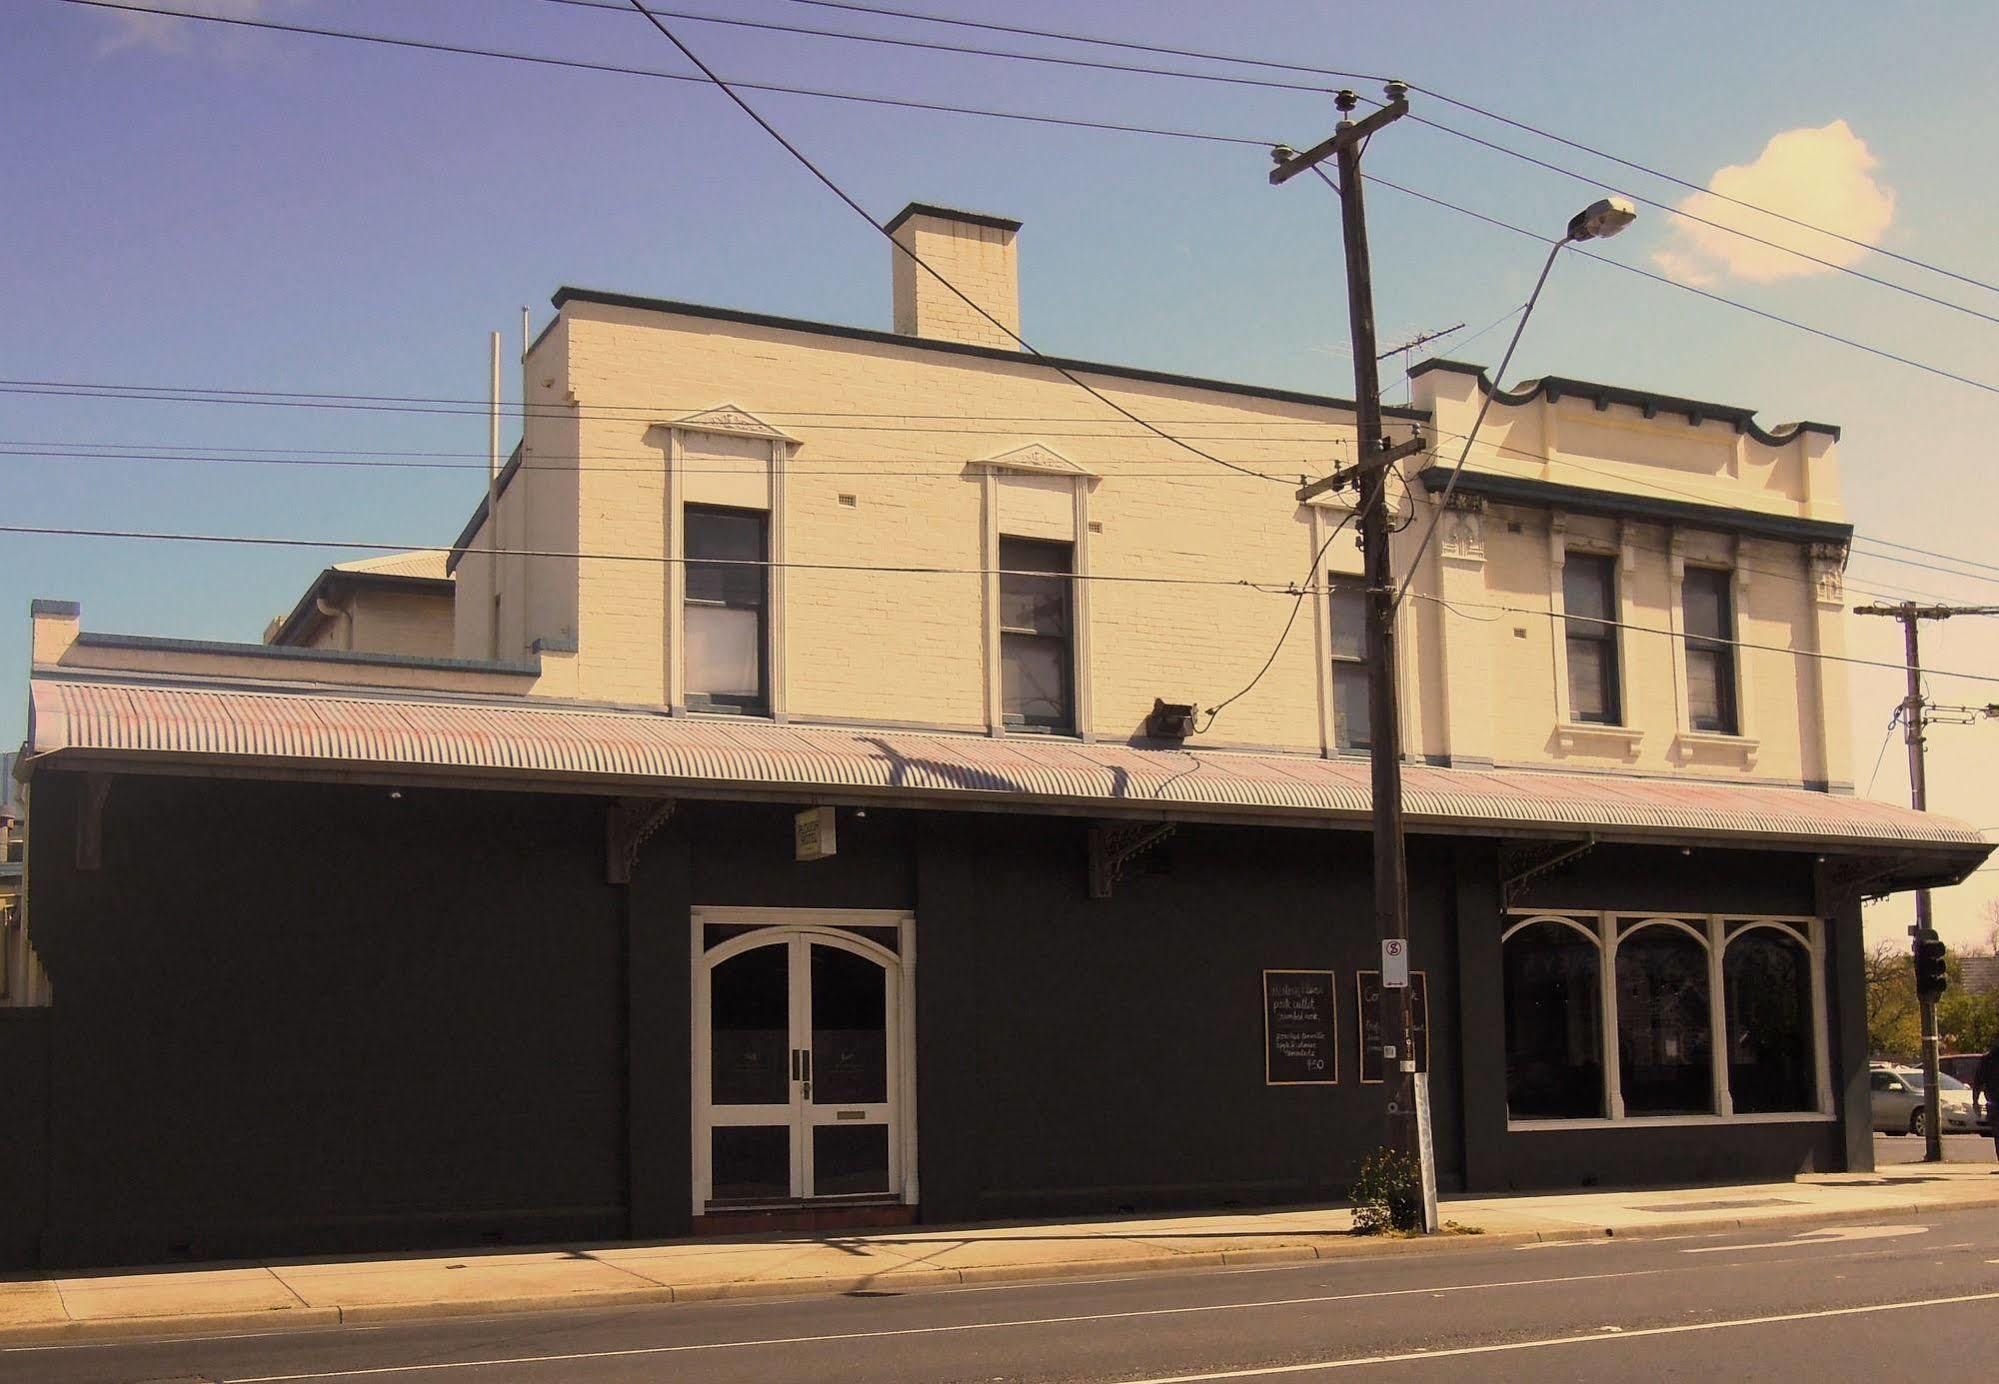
(812, 834)
(1300, 1042)
(1368, 988)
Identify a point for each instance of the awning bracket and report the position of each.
(1520, 865)
(1113, 845)
(629, 824)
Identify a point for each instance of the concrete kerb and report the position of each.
(1330, 1247)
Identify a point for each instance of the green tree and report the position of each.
(1894, 1020)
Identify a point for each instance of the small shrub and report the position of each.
(1388, 1194)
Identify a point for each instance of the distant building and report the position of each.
(794, 654)
(397, 604)
(1979, 974)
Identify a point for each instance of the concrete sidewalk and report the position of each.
(276, 1296)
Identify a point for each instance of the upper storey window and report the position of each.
(1351, 728)
(1589, 596)
(1707, 599)
(1037, 644)
(728, 605)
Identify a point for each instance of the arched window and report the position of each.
(1767, 982)
(1554, 1022)
(1665, 1039)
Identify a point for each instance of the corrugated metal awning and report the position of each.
(528, 743)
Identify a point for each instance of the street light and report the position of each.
(1600, 220)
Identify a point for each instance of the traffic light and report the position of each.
(1930, 980)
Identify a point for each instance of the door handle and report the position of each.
(805, 1054)
(794, 1064)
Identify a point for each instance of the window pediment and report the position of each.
(730, 419)
(1036, 458)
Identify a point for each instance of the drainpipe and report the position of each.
(334, 612)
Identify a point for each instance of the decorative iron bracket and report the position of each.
(1520, 865)
(629, 824)
(1113, 845)
(1845, 880)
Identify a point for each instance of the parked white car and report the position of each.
(1898, 1101)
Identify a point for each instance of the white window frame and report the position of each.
(1037, 459)
(1715, 931)
(730, 421)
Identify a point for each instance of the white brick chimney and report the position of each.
(974, 253)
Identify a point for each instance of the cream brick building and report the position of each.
(569, 883)
(927, 447)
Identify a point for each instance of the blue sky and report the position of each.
(195, 206)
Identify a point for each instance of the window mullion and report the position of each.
(1613, 1077)
(1724, 1100)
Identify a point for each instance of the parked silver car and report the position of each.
(1898, 1101)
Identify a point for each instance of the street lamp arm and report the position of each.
(1498, 382)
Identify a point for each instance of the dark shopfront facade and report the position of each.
(296, 1016)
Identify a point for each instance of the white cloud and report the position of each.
(1822, 176)
(160, 33)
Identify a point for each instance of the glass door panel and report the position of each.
(849, 1104)
(849, 1028)
(750, 1028)
(752, 1065)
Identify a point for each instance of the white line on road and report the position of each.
(1598, 1337)
(1831, 1235)
(693, 1347)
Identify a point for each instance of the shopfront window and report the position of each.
(1654, 983)
(1665, 1052)
(1767, 978)
(1554, 1023)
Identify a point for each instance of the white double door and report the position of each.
(799, 1065)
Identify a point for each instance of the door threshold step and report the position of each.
(847, 1216)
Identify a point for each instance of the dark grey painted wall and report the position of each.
(298, 1017)
(24, 1160)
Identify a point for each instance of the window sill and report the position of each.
(1666, 1121)
(1592, 737)
(1712, 747)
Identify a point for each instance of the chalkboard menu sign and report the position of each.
(1300, 1046)
(1368, 986)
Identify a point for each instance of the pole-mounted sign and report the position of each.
(1394, 963)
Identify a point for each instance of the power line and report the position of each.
(1268, 589)
(886, 467)
(1696, 218)
(1306, 68)
(916, 259)
(584, 65)
(657, 559)
(965, 50)
(434, 46)
(1674, 634)
(1791, 322)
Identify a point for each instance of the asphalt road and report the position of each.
(1845, 1301)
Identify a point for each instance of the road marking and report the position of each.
(1830, 1235)
(1597, 1337)
(948, 1329)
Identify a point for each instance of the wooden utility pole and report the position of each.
(1370, 474)
(1917, 714)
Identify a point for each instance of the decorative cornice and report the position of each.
(1037, 457)
(1651, 405)
(729, 418)
(1529, 491)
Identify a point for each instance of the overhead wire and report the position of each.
(1278, 588)
(1275, 64)
(1237, 140)
(1751, 644)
